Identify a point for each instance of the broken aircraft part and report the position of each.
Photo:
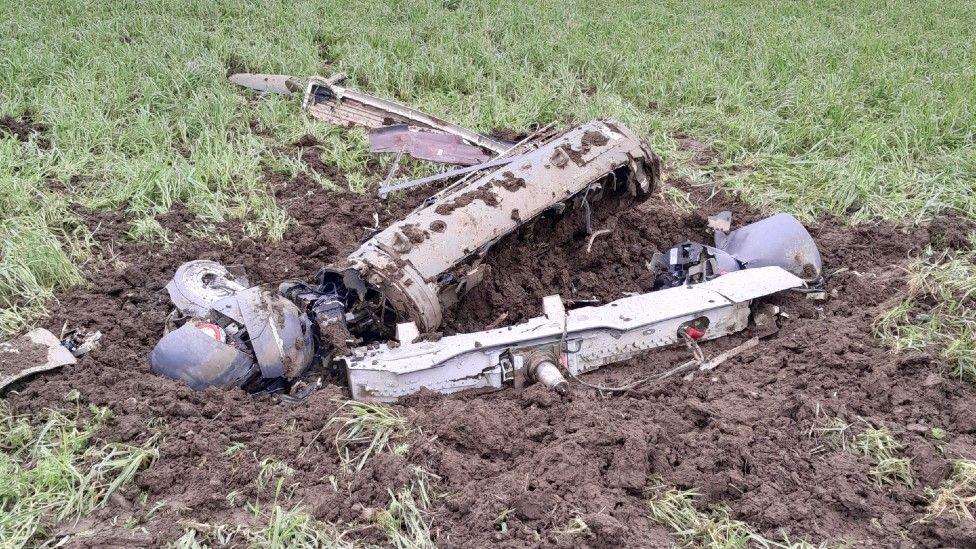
(81, 342)
(401, 185)
(512, 154)
(36, 351)
(425, 145)
(198, 284)
(231, 335)
(579, 341)
(777, 240)
(193, 353)
(347, 107)
(269, 83)
(409, 262)
(325, 100)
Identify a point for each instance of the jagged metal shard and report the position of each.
(282, 84)
(54, 354)
(327, 101)
(580, 340)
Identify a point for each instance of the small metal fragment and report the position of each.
(401, 185)
(735, 351)
(273, 83)
(722, 221)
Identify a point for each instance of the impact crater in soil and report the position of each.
(740, 436)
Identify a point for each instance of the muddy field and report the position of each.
(741, 435)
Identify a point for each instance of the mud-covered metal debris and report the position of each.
(364, 315)
(36, 351)
(395, 127)
(346, 107)
(779, 240)
(578, 341)
(223, 333)
(428, 260)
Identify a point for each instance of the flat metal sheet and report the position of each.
(282, 84)
(38, 341)
(425, 145)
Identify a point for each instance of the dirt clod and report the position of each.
(23, 128)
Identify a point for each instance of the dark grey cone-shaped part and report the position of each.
(201, 361)
(779, 241)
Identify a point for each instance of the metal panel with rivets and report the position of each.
(584, 338)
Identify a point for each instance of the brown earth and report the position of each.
(739, 435)
(22, 128)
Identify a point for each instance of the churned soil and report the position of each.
(22, 128)
(515, 468)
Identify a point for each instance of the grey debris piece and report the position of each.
(198, 284)
(231, 335)
(722, 221)
(425, 145)
(192, 355)
(55, 357)
(346, 107)
(580, 340)
(778, 240)
(406, 260)
(279, 334)
(281, 84)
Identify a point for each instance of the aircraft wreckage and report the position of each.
(396, 286)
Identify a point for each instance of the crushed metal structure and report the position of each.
(576, 341)
(364, 316)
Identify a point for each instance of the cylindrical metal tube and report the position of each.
(544, 370)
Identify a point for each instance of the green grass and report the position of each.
(957, 495)
(406, 520)
(883, 449)
(938, 312)
(714, 529)
(861, 108)
(53, 472)
(876, 443)
(365, 430)
(278, 529)
(272, 525)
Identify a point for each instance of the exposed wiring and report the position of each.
(589, 245)
(587, 212)
(690, 343)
